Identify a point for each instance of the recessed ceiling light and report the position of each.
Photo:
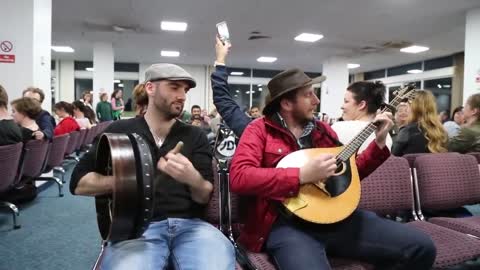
(307, 37)
(235, 95)
(89, 69)
(170, 53)
(237, 91)
(248, 92)
(116, 81)
(352, 66)
(120, 85)
(415, 49)
(439, 86)
(64, 49)
(259, 85)
(266, 59)
(173, 26)
(415, 71)
(260, 89)
(236, 73)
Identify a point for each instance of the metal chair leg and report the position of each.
(61, 171)
(52, 178)
(15, 213)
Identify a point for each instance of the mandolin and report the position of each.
(334, 199)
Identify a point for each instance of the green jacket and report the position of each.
(104, 111)
(467, 140)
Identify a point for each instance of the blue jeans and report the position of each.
(176, 243)
(363, 236)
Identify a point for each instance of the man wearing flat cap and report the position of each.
(177, 236)
(294, 244)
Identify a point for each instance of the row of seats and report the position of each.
(405, 185)
(27, 162)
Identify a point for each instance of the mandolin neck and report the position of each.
(352, 147)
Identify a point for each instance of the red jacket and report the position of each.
(67, 125)
(262, 145)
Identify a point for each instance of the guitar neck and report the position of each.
(352, 147)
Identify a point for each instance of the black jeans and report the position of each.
(363, 236)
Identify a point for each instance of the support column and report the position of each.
(334, 87)
(25, 48)
(67, 80)
(103, 70)
(471, 81)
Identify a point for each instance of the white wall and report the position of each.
(66, 81)
(471, 81)
(103, 64)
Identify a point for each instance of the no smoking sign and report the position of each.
(6, 46)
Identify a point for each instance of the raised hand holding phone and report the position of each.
(223, 34)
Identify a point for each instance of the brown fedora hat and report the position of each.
(285, 82)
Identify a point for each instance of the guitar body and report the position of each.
(324, 203)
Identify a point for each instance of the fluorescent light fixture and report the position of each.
(116, 81)
(120, 85)
(307, 37)
(266, 59)
(447, 85)
(260, 89)
(173, 26)
(259, 85)
(170, 53)
(415, 71)
(414, 49)
(89, 69)
(439, 86)
(248, 92)
(236, 73)
(64, 49)
(352, 66)
(237, 91)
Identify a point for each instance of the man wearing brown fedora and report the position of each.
(289, 126)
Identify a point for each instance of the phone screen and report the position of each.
(223, 31)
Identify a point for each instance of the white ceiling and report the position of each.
(346, 24)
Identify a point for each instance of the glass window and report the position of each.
(259, 92)
(438, 63)
(241, 95)
(376, 74)
(442, 90)
(82, 65)
(82, 85)
(400, 70)
(239, 72)
(52, 65)
(126, 67)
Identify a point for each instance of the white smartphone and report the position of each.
(223, 33)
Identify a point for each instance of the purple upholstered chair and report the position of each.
(9, 163)
(448, 181)
(71, 146)
(56, 155)
(389, 190)
(34, 162)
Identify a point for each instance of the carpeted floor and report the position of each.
(56, 234)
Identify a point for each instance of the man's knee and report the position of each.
(426, 249)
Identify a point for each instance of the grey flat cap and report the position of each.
(170, 72)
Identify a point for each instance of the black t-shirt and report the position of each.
(10, 132)
(172, 198)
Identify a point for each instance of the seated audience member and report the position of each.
(444, 116)
(141, 99)
(67, 124)
(44, 120)
(361, 102)
(90, 115)
(10, 132)
(255, 112)
(401, 118)
(177, 236)
(104, 109)
(24, 112)
(288, 125)
(226, 106)
(79, 110)
(468, 138)
(424, 133)
(453, 126)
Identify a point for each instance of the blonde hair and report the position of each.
(423, 111)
